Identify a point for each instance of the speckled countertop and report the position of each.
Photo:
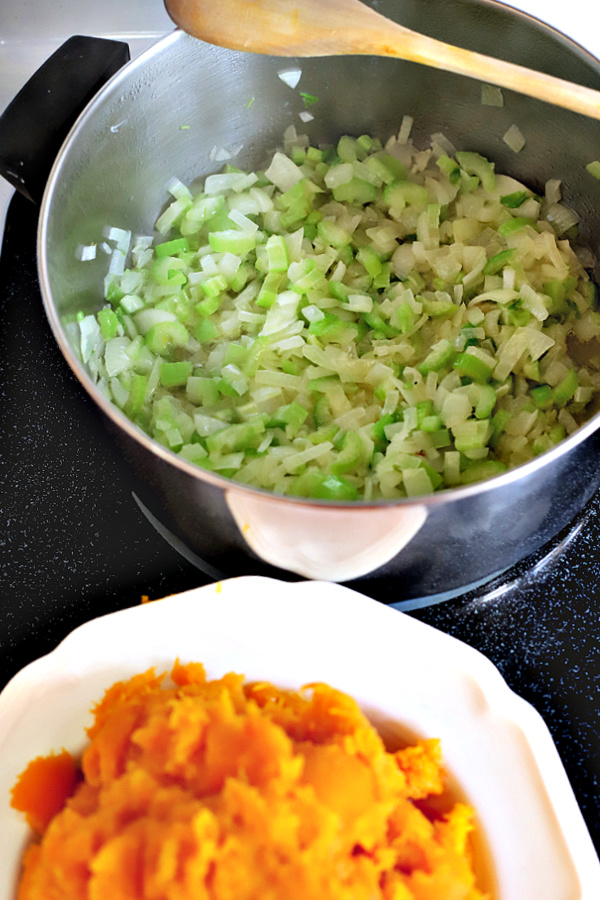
(74, 542)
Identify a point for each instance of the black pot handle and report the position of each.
(34, 126)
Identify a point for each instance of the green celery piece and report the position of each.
(356, 191)
(109, 323)
(471, 435)
(333, 234)
(430, 424)
(202, 391)
(439, 437)
(205, 332)
(240, 279)
(267, 296)
(346, 148)
(486, 401)
(438, 309)
(293, 414)
(543, 396)
(209, 305)
(194, 453)
(300, 197)
(516, 315)
(298, 155)
(518, 223)
(416, 481)
(137, 395)
(558, 434)
(472, 367)
(214, 285)
(498, 424)
(175, 374)
(340, 291)
(531, 370)
(331, 329)
(277, 253)
(313, 154)
(403, 318)
(366, 144)
(233, 382)
(322, 384)
(449, 167)
(240, 436)
(163, 337)
(378, 430)
(414, 282)
(382, 280)
(231, 241)
(370, 260)
(434, 477)
(405, 193)
(594, 168)
(167, 271)
(334, 487)
(513, 201)
(565, 389)
(289, 367)
(387, 168)
(236, 354)
(350, 455)
(441, 354)
(424, 409)
(378, 324)
(497, 262)
(172, 248)
(558, 290)
(475, 164)
(322, 412)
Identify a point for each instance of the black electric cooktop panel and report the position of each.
(75, 543)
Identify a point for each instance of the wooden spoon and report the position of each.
(338, 27)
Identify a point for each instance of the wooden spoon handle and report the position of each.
(305, 28)
(419, 48)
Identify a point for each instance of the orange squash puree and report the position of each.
(226, 790)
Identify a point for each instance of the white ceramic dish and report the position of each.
(408, 677)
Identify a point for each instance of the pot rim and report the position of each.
(437, 498)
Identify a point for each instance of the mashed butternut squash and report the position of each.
(226, 790)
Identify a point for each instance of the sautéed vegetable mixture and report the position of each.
(358, 322)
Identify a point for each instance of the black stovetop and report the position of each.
(74, 543)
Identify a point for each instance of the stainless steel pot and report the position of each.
(163, 115)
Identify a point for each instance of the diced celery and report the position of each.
(277, 253)
(543, 396)
(472, 367)
(497, 262)
(441, 355)
(202, 391)
(475, 164)
(565, 389)
(109, 323)
(350, 455)
(232, 241)
(332, 233)
(205, 331)
(356, 191)
(175, 374)
(514, 200)
(518, 223)
(405, 193)
(171, 248)
(164, 336)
